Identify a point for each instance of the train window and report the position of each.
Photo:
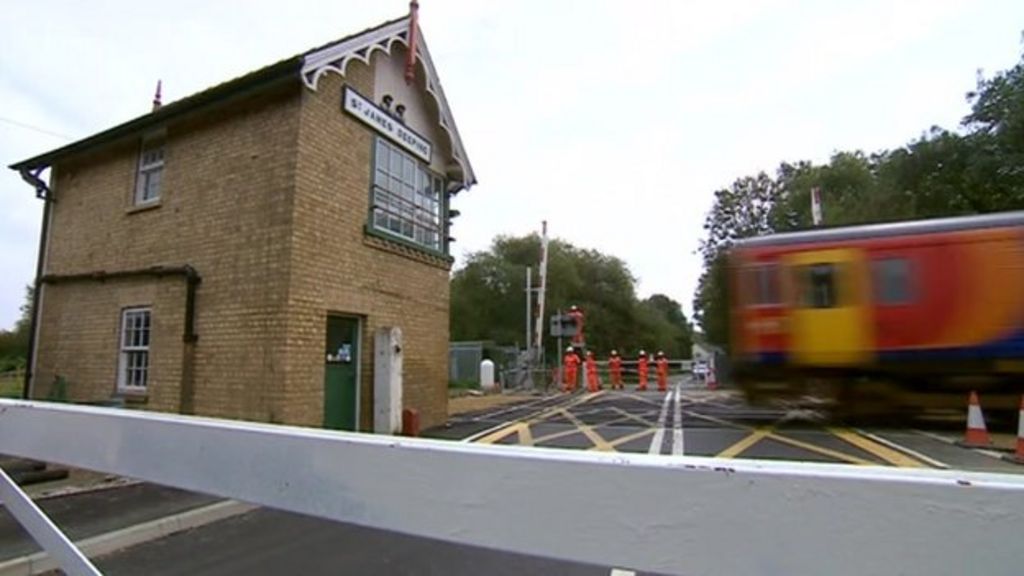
(892, 281)
(763, 285)
(818, 286)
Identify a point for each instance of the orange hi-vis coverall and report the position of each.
(662, 364)
(591, 367)
(572, 363)
(615, 369)
(641, 369)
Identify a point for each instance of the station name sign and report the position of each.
(375, 117)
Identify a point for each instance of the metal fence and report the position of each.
(678, 515)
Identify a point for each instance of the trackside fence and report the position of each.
(678, 514)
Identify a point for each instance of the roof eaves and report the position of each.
(211, 96)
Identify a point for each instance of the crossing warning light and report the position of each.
(563, 325)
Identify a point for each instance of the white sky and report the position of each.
(615, 121)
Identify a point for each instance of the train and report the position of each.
(887, 317)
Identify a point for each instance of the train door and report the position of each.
(830, 308)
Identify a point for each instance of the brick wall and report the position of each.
(84, 349)
(225, 209)
(268, 201)
(338, 268)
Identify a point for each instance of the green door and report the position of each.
(341, 373)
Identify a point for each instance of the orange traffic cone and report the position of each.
(977, 434)
(1018, 455)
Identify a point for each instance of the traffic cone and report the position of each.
(977, 434)
(1018, 455)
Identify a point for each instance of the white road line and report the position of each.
(659, 434)
(621, 572)
(677, 426)
(951, 442)
(935, 436)
(900, 448)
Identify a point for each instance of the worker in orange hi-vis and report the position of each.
(641, 371)
(591, 367)
(577, 316)
(571, 363)
(615, 370)
(662, 364)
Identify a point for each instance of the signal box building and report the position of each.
(232, 254)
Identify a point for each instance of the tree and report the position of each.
(750, 207)
(680, 332)
(941, 173)
(488, 298)
(14, 343)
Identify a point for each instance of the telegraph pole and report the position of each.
(538, 342)
(529, 314)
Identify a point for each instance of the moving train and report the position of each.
(882, 317)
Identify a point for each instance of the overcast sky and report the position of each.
(615, 121)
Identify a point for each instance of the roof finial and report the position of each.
(157, 103)
(410, 60)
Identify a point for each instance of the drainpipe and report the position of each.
(192, 281)
(189, 337)
(44, 193)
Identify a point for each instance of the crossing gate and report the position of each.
(678, 515)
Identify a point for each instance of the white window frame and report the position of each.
(133, 343)
(406, 198)
(151, 164)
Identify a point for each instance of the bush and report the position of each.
(463, 384)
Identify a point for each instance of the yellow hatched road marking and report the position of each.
(588, 431)
(744, 443)
(498, 435)
(884, 452)
(628, 437)
(642, 399)
(634, 417)
(572, 431)
(820, 450)
(718, 420)
(525, 438)
(555, 435)
(516, 426)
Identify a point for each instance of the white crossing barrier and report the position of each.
(680, 515)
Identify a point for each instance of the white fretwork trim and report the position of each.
(336, 58)
(678, 515)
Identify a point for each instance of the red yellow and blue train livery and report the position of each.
(929, 306)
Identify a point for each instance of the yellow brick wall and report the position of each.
(81, 331)
(225, 209)
(338, 268)
(268, 201)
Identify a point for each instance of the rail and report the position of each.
(679, 515)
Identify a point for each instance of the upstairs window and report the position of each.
(892, 281)
(406, 200)
(133, 369)
(150, 172)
